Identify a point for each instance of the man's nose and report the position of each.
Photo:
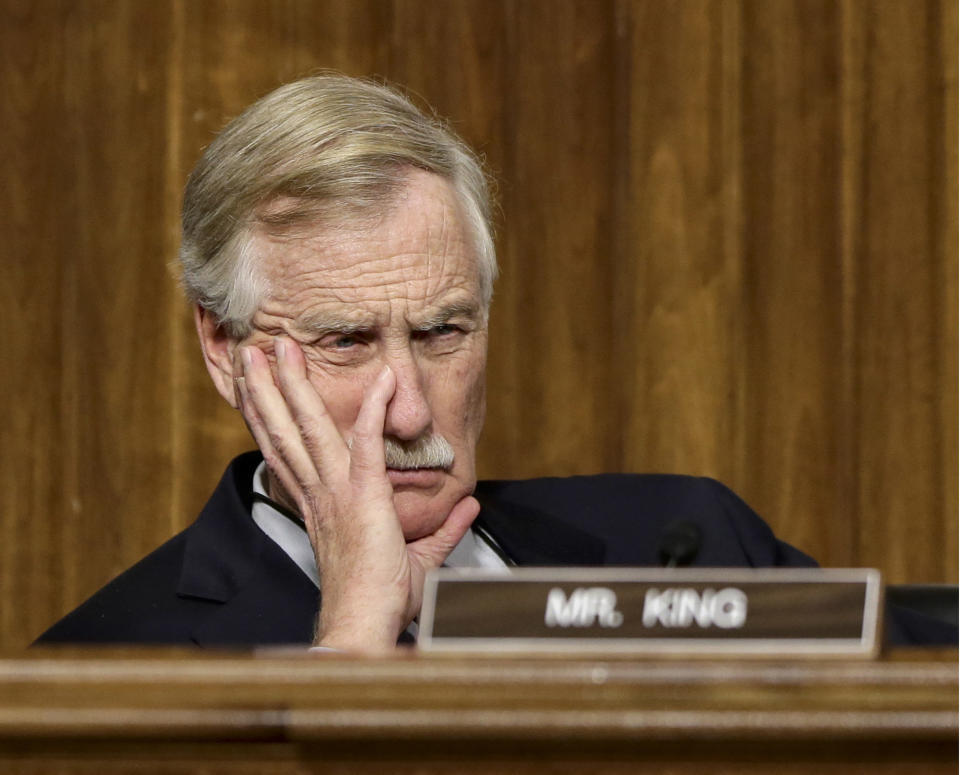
(408, 413)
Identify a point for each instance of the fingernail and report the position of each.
(280, 348)
(246, 357)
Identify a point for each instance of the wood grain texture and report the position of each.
(793, 272)
(172, 712)
(37, 199)
(728, 246)
(905, 312)
(513, 698)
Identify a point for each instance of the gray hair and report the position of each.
(328, 149)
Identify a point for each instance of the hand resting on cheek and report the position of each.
(371, 578)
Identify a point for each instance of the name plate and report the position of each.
(777, 612)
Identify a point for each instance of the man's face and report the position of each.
(402, 291)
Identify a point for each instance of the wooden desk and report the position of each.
(174, 712)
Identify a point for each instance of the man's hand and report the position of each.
(371, 579)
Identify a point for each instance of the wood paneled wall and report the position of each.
(728, 247)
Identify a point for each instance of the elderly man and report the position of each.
(337, 249)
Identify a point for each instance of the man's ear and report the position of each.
(219, 350)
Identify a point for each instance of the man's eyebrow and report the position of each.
(448, 312)
(318, 324)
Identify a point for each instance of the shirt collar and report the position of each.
(471, 552)
(284, 533)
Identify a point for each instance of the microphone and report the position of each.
(679, 543)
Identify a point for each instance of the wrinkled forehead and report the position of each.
(415, 246)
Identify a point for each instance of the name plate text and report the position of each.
(645, 610)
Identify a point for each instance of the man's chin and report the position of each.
(422, 511)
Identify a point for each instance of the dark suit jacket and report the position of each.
(223, 582)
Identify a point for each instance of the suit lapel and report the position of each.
(531, 537)
(276, 605)
(264, 597)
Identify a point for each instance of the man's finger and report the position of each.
(366, 451)
(315, 426)
(262, 437)
(276, 430)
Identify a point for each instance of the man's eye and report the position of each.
(442, 330)
(442, 336)
(341, 341)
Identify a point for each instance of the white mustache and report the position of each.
(431, 451)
